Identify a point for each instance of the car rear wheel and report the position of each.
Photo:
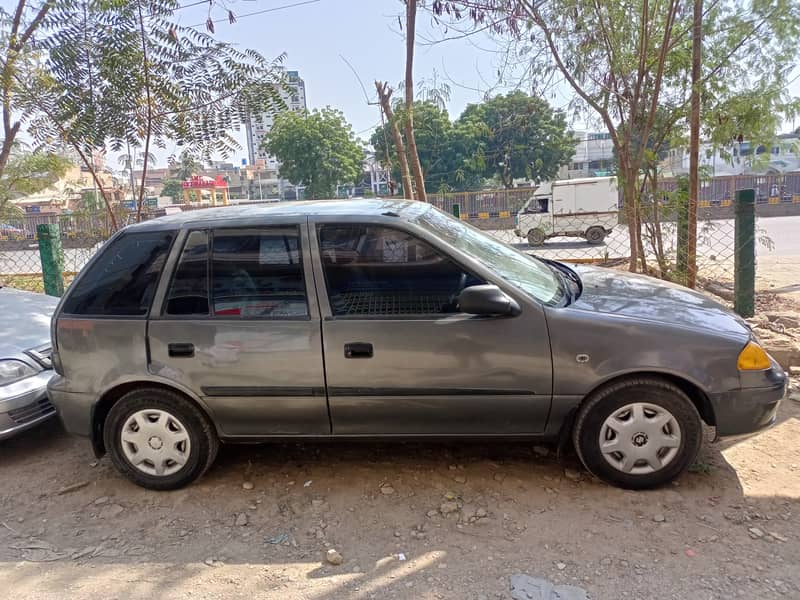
(595, 235)
(536, 237)
(158, 439)
(638, 433)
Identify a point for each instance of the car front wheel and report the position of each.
(158, 439)
(638, 433)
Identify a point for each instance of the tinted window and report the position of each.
(123, 279)
(372, 270)
(258, 273)
(188, 293)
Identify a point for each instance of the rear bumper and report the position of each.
(24, 404)
(74, 409)
(747, 411)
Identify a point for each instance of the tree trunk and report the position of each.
(416, 167)
(146, 73)
(629, 199)
(384, 94)
(93, 171)
(694, 143)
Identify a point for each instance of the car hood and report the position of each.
(24, 320)
(641, 297)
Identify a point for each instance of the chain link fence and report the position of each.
(600, 238)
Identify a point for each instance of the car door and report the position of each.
(400, 359)
(238, 328)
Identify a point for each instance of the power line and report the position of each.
(259, 12)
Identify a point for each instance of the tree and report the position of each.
(316, 149)
(411, 142)
(172, 188)
(384, 98)
(131, 160)
(187, 88)
(520, 136)
(624, 60)
(28, 172)
(434, 136)
(184, 165)
(19, 60)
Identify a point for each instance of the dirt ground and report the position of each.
(409, 520)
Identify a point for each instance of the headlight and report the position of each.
(753, 358)
(14, 370)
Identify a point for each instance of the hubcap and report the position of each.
(155, 442)
(640, 438)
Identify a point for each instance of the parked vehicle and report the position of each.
(24, 360)
(584, 208)
(9, 231)
(388, 318)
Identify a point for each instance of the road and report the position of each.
(715, 246)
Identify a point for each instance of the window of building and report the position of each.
(258, 274)
(776, 149)
(761, 149)
(123, 279)
(578, 166)
(379, 271)
(188, 294)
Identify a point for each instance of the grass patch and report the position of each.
(30, 282)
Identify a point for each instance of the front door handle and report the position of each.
(183, 350)
(358, 350)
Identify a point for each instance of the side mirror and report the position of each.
(487, 300)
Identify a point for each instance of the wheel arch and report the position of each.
(111, 396)
(691, 388)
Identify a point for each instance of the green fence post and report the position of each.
(744, 275)
(52, 255)
(457, 210)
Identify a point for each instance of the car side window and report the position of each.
(258, 273)
(122, 281)
(380, 271)
(188, 293)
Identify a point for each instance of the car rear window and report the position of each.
(123, 279)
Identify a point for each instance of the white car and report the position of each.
(25, 365)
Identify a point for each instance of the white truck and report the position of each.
(584, 208)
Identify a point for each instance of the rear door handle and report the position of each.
(185, 350)
(358, 350)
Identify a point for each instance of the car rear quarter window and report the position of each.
(123, 279)
(258, 274)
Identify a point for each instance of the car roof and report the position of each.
(261, 213)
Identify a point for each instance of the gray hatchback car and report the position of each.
(388, 319)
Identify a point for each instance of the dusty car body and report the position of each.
(378, 318)
(24, 360)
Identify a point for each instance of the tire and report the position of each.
(536, 237)
(595, 234)
(188, 435)
(605, 411)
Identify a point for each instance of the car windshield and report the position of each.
(525, 272)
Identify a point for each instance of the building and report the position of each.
(259, 125)
(740, 158)
(593, 157)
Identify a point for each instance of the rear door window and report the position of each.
(123, 279)
(188, 293)
(258, 273)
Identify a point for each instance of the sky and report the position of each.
(316, 35)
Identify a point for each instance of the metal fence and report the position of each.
(497, 212)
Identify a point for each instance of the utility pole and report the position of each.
(694, 142)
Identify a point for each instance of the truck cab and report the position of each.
(584, 208)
